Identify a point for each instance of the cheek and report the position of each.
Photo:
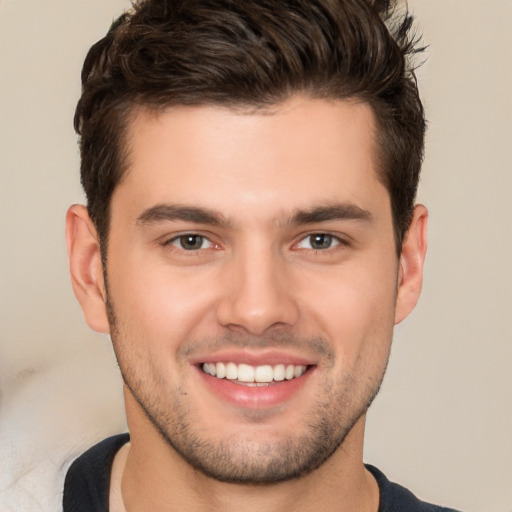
(160, 304)
(355, 308)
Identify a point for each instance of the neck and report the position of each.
(150, 475)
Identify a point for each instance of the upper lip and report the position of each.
(254, 358)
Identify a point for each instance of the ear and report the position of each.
(86, 268)
(410, 273)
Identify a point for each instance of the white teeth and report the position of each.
(259, 374)
(221, 370)
(264, 374)
(245, 373)
(299, 370)
(231, 371)
(279, 372)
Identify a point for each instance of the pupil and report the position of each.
(191, 242)
(321, 241)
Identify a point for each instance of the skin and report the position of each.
(253, 287)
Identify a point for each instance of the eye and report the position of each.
(318, 242)
(191, 242)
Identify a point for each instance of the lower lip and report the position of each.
(255, 397)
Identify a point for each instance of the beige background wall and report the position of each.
(443, 422)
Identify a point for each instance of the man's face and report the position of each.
(252, 246)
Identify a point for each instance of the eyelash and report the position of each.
(180, 238)
(333, 240)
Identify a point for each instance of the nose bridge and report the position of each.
(257, 293)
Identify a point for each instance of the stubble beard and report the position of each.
(246, 460)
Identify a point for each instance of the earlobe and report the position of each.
(86, 267)
(410, 273)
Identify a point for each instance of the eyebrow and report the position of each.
(337, 211)
(197, 215)
(171, 212)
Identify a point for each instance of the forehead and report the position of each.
(300, 153)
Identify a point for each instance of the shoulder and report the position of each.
(395, 498)
(86, 486)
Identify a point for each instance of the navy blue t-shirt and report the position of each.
(86, 488)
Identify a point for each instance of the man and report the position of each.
(250, 239)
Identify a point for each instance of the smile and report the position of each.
(254, 375)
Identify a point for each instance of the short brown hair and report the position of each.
(252, 53)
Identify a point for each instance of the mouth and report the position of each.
(257, 380)
(253, 376)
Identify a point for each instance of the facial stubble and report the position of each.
(245, 459)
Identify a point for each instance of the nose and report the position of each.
(257, 294)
